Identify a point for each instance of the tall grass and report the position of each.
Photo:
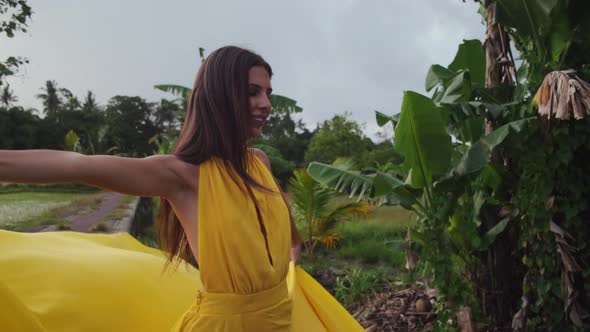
(369, 255)
(356, 284)
(373, 240)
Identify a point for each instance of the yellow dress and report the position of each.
(67, 281)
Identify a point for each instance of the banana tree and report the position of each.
(509, 196)
(445, 176)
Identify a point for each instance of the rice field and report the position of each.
(23, 210)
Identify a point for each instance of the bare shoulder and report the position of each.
(260, 154)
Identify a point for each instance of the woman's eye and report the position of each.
(252, 93)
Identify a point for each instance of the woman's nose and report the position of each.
(265, 102)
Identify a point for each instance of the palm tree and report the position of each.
(7, 97)
(71, 102)
(90, 104)
(51, 99)
(313, 213)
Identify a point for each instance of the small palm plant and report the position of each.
(164, 143)
(315, 217)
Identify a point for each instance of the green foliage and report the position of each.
(164, 144)
(169, 116)
(373, 253)
(496, 195)
(14, 15)
(182, 92)
(528, 17)
(72, 141)
(282, 169)
(354, 285)
(18, 129)
(89, 104)
(437, 74)
(52, 100)
(479, 154)
(282, 104)
(381, 156)
(130, 125)
(337, 138)
(125, 126)
(553, 189)
(55, 187)
(421, 137)
(177, 90)
(377, 241)
(341, 178)
(7, 97)
(288, 136)
(18, 12)
(470, 57)
(317, 221)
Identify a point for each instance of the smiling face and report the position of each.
(259, 90)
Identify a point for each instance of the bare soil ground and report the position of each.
(83, 221)
(405, 310)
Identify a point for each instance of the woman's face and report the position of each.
(259, 90)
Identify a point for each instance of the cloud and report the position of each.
(331, 56)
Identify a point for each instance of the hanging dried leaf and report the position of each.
(500, 68)
(561, 94)
(464, 320)
(411, 255)
(572, 292)
(519, 321)
(549, 202)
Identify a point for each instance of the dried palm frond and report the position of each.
(561, 94)
(411, 255)
(519, 321)
(330, 241)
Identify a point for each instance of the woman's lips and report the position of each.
(259, 120)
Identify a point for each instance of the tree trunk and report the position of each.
(501, 278)
(500, 68)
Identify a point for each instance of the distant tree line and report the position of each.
(132, 126)
(124, 126)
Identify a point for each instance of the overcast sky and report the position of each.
(331, 56)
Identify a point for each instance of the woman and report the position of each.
(219, 204)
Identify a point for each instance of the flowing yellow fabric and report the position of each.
(68, 281)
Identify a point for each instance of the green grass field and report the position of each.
(22, 211)
(374, 239)
(368, 255)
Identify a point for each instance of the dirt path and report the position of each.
(82, 221)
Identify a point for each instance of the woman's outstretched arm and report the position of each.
(150, 176)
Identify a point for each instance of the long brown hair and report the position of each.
(215, 125)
